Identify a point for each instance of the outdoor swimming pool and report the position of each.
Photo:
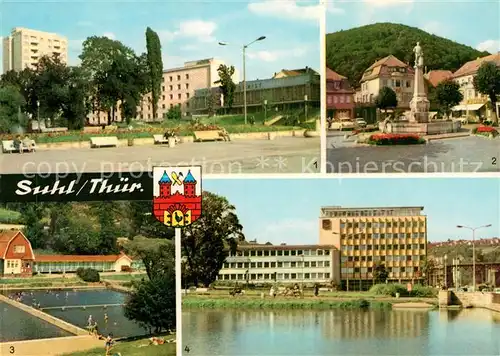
(75, 307)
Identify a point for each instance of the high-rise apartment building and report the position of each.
(393, 236)
(177, 89)
(24, 48)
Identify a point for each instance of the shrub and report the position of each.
(389, 289)
(417, 291)
(395, 139)
(88, 274)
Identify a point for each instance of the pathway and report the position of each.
(51, 347)
(83, 306)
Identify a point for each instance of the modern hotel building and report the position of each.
(393, 236)
(259, 264)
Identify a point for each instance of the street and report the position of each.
(283, 155)
(455, 155)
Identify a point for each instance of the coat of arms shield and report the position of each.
(177, 195)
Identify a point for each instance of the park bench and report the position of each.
(104, 141)
(26, 146)
(160, 139)
(210, 135)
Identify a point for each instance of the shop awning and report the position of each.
(470, 107)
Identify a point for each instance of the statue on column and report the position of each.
(419, 55)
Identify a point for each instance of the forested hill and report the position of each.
(351, 52)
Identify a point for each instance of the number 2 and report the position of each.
(493, 161)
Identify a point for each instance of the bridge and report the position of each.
(82, 306)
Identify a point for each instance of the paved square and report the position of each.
(282, 155)
(454, 155)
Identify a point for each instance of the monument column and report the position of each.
(419, 104)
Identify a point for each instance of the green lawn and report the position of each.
(133, 348)
(10, 217)
(232, 123)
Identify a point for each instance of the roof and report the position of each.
(295, 72)
(389, 61)
(165, 178)
(80, 258)
(471, 67)
(376, 68)
(331, 75)
(6, 237)
(189, 178)
(437, 76)
(263, 247)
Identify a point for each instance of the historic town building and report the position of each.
(339, 96)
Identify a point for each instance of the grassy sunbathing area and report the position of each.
(137, 129)
(142, 347)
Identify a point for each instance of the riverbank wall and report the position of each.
(485, 300)
(75, 330)
(51, 347)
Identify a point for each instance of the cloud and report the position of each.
(109, 35)
(273, 56)
(202, 31)
(332, 9)
(291, 232)
(190, 48)
(289, 9)
(492, 46)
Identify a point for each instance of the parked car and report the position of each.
(342, 125)
(360, 122)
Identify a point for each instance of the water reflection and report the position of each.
(337, 332)
(17, 325)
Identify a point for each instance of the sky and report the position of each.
(189, 30)
(287, 210)
(470, 22)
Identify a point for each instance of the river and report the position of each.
(341, 332)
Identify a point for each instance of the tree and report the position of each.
(152, 303)
(448, 95)
(226, 84)
(428, 269)
(78, 237)
(11, 104)
(207, 242)
(108, 230)
(380, 273)
(157, 255)
(386, 99)
(487, 82)
(174, 113)
(155, 66)
(33, 227)
(99, 56)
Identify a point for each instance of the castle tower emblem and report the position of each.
(177, 195)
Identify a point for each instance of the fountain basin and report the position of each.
(422, 128)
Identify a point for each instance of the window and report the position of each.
(187, 77)
(329, 99)
(19, 249)
(342, 99)
(171, 87)
(171, 96)
(178, 87)
(179, 96)
(170, 78)
(179, 78)
(187, 85)
(335, 99)
(347, 100)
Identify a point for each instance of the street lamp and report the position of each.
(265, 110)
(244, 48)
(38, 113)
(473, 229)
(305, 107)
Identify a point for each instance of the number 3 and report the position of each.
(12, 349)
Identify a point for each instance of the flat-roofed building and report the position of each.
(24, 47)
(393, 236)
(263, 264)
(288, 89)
(177, 89)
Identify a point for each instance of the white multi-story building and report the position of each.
(24, 48)
(256, 263)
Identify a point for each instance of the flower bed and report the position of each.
(485, 131)
(395, 139)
